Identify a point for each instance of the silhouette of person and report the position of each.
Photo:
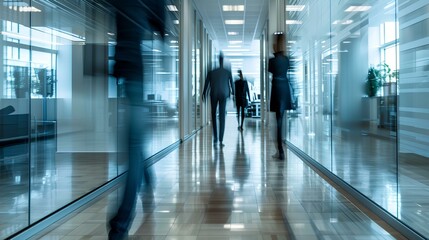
(133, 19)
(280, 90)
(219, 81)
(241, 100)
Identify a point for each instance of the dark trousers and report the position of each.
(279, 118)
(222, 114)
(240, 110)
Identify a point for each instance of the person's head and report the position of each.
(279, 42)
(240, 74)
(221, 59)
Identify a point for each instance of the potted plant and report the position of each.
(21, 81)
(373, 81)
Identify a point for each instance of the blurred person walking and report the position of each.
(219, 81)
(242, 96)
(280, 88)
(133, 18)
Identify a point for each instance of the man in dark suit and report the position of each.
(220, 82)
(242, 95)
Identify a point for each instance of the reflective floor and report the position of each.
(237, 191)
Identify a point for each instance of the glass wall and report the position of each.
(361, 72)
(60, 109)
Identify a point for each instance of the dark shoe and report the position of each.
(221, 144)
(117, 235)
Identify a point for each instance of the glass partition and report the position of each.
(413, 118)
(60, 111)
(361, 70)
(15, 118)
(311, 55)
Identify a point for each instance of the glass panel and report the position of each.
(74, 145)
(364, 126)
(14, 117)
(312, 74)
(413, 114)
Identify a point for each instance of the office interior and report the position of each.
(61, 110)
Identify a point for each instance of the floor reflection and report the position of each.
(235, 192)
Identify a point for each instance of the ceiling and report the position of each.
(234, 37)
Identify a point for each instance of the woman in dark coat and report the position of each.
(280, 90)
(241, 94)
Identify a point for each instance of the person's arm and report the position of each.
(247, 90)
(206, 86)
(231, 84)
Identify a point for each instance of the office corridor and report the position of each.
(237, 191)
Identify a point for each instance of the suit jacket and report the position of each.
(220, 83)
(241, 92)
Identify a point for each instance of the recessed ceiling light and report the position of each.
(233, 8)
(232, 33)
(172, 8)
(291, 22)
(235, 42)
(343, 22)
(357, 8)
(294, 8)
(24, 9)
(234, 22)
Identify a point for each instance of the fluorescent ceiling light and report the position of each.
(233, 8)
(61, 33)
(23, 37)
(172, 8)
(234, 22)
(236, 50)
(357, 8)
(24, 9)
(232, 33)
(235, 42)
(294, 8)
(292, 22)
(343, 22)
(234, 46)
(176, 22)
(174, 41)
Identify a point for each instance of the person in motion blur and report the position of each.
(242, 95)
(219, 81)
(280, 100)
(133, 19)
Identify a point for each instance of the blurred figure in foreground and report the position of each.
(241, 100)
(133, 18)
(280, 88)
(220, 82)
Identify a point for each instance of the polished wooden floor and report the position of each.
(205, 191)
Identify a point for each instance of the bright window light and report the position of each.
(292, 22)
(295, 8)
(233, 8)
(357, 8)
(234, 22)
(232, 33)
(172, 8)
